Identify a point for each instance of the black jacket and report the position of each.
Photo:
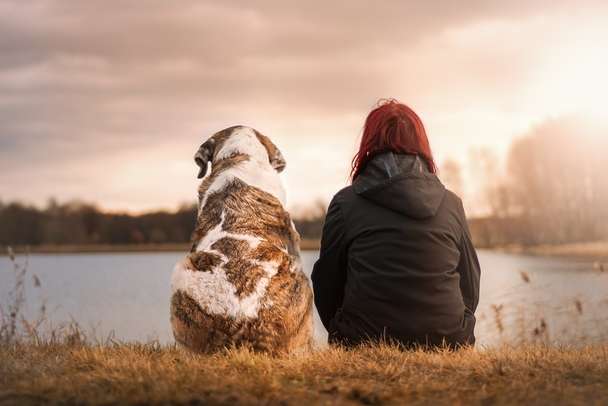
(396, 259)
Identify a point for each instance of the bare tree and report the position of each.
(556, 182)
(451, 175)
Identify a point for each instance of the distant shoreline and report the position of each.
(305, 245)
(596, 251)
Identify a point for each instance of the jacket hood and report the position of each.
(401, 182)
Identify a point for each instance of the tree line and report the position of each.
(83, 223)
(78, 223)
(553, 189)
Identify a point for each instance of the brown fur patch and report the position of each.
(274, 154)
(231, 246)
(219, 138)
(249, 210)
(204, 261)
(212, 213)
(218, 168)
(240, 270)
(244, 275)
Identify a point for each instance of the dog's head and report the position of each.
(238, 140)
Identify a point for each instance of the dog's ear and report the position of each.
(204, 155)
(274, 155)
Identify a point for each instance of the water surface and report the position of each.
(127, 295)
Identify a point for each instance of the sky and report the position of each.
(107, 102)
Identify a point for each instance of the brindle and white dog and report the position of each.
(242, 282)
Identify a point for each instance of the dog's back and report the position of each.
(242, 283)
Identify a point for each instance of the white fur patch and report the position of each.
(215, 294)
(256, 171)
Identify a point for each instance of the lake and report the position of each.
(523, 298)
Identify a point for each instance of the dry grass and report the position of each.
(145, 374)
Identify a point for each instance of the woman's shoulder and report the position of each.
(452, 198)
(344, 195)
(453, 204)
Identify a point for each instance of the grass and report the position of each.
(374, 375)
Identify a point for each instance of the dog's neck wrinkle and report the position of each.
(232, 155)
(224, 163)
(237, 159)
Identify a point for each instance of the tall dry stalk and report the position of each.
(11, 313)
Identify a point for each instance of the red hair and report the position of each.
(392, 126)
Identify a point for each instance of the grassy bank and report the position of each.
(374, 375)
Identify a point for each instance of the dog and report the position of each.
(242, 283)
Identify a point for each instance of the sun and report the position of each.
(575, 81)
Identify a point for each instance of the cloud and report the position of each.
(84, 83)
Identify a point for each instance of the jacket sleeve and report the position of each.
(329, 272)
(469, 269)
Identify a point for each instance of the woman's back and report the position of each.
(396, 257)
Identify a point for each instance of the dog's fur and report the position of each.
(242, 282)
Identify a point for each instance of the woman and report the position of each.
(396, 262)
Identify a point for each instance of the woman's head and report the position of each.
(392, 126)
